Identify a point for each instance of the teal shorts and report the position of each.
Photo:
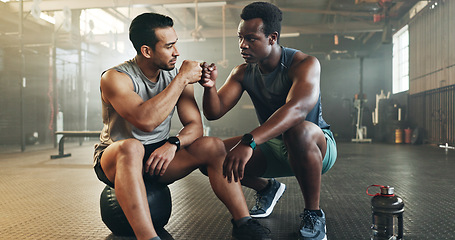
(276, 155)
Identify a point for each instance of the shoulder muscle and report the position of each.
(304, 65)
(114, 82)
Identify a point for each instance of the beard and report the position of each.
(168, 66)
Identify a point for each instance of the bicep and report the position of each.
(231, 91)
(187, 107)
(117, 90)
(305, 88)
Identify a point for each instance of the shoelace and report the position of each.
(258, 201)
(309, 220)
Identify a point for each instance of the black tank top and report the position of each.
(268, 92)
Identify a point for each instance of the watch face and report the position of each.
(247, 138)
(175, 141)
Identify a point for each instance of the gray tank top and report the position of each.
(116, 127)
(268, 92)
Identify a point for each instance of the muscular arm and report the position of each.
(302, 97)
(300, 100)
(117, 89)
(217, 104)
(189, 116)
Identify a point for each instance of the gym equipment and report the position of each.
(360, 131)
(31, 138)
(359, 100)
(379, 97)
(67, 134)
(446, 146)
(160, 204)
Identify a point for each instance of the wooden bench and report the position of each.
(67, 134)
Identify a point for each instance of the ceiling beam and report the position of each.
(169, 13)
(58, 5)
(115, 13)
(325, 18)
(316, 11)
(365, 40)
(335, 28)
(9, 30)
(345, 28)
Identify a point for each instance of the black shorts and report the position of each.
(99, 149)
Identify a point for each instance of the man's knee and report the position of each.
(302, 135)
(128, 153)
(130, 150)
(131, 147)
(209, 147)
(305, 142)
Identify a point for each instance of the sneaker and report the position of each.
(312, 226)
(265, 202)
(251, 230)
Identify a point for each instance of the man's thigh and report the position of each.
(182, 165)
(194, 156)
(276, 158)
(106, 158)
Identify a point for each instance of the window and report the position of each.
(400, 60)
(96, 22)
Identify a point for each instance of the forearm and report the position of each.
(282, 120)
(189, 133)
(154, 111)
(211, 104)
(190, 117)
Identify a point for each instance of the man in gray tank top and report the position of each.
(138, 100)
(293, 139)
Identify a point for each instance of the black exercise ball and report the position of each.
(160, 204)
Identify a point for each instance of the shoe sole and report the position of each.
(325, 237)
(277, 197)
(234, 238)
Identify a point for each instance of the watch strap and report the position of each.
(176, 141)
(249, 140)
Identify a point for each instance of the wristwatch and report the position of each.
(248, 139)
(175, 141)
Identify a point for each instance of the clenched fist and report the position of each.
(191, 71)
(209, 74)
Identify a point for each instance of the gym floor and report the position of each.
(42, 198)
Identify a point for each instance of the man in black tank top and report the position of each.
(293, 138)
(138, 97)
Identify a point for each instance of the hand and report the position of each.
(235, 162)
(209, 75)
(191, 71)
(159, 159)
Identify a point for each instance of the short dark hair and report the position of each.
(270, 14)
(142, 29)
